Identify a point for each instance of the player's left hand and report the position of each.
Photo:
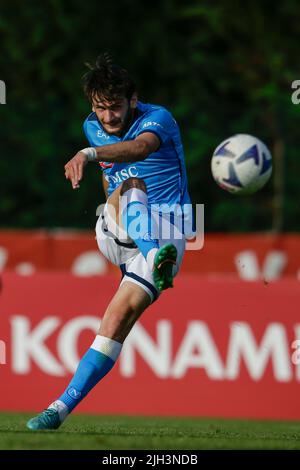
(74, 169)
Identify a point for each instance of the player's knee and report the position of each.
(133, 182)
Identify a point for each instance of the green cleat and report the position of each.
(48, 419)
(164, 261)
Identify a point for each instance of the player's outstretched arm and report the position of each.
(122, 152)
(74, 169)
(128, 151)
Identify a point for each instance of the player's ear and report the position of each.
(134, 100)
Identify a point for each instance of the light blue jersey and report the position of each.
(163, 171)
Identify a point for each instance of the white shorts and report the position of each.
(128, 257)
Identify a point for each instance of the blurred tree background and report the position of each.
(221, 67)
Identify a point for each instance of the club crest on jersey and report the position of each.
(105, 165)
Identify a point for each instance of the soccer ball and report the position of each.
(241, 164)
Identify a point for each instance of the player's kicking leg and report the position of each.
(130, 202)
(127, 305)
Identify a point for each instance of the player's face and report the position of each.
(114, 115)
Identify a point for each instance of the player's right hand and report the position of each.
(74, 169)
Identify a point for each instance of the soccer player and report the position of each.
(139, 149)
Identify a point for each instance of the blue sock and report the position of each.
(92, 368)
(136, 219)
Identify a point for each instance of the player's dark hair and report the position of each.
(107, 80)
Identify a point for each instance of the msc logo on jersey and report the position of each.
(122, 175)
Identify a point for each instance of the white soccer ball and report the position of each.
(241, 164)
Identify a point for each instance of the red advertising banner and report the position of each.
(247, 257)
(218, 348)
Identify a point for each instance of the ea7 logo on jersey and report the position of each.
(151, 123)
(101, 133)
(122, 175)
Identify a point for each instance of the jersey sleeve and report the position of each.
(85, 130)
(103, 165)
(160, 122)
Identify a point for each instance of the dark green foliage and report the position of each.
(220, 67)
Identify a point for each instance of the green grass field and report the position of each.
(111, 432)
